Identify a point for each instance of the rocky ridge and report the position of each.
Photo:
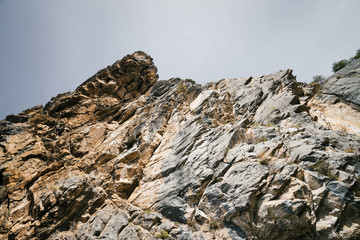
(126, 156)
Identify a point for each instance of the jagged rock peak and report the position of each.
(124, 81)
(128, 77)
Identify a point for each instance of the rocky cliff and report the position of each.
(125, 156)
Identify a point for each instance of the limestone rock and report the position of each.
(125, 156)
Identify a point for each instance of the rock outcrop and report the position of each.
(125, 156)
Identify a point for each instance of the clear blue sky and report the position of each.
(48, 47)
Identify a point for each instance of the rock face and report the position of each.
(125, 156)
(338, 104)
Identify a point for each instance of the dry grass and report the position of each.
(52, 187)
(349, 150)
(214, 224)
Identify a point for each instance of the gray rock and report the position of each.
(233, 194)
(114, 226)
(345, 83)
(284, 219)
(147, 219)
(131, 232)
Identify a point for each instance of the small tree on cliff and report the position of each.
(342, 63)
(357, 55)
(318, 79)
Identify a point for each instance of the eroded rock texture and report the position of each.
(125, 156)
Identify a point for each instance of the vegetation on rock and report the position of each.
(344, 62)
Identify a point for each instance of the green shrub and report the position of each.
(340, 65)
(181, 89)
(357, 55)
(214, 224)
(162, 234)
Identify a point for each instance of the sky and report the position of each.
(48, 47)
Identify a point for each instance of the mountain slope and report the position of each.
(125, 156)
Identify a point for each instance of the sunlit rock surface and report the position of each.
(125, 156)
